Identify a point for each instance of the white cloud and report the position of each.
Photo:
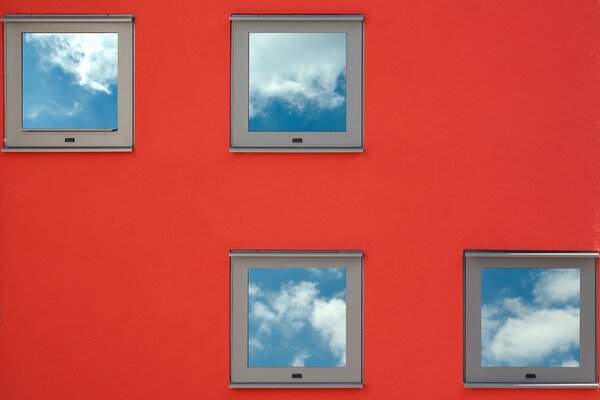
(489, 325)
(261, 311)
(299, 359)
(53, 109)
(287, 310)
(329, 319)
(90, 57)
(539, 330)
(316, 272)
(557, 286)
(255, 344)
(297, 305)
(332, 273)
(570, 363)
(534, 335)
(514, 306)
(254, 291)
(293, 305)
(300, 69)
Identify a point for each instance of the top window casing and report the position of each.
(244, 140)
(16, 138)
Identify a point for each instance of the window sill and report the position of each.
(295, 385)
(531, 385)
(67, 150)
(296, 149)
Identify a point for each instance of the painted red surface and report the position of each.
(482, 131)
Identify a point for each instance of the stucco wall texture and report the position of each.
(482, 127)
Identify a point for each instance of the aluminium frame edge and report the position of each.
(528, 254)
(297, 253)
(296, 17)
(531, 385)
(309, 253)
(471, 253)
(349, 385)
(67, 18)
(73, 18)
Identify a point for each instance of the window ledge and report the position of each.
(295, 385)
(67, 150)
(531, 385)
(296, 149)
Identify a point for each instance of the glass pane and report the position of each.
(297, 82)
(70, 80)
(530, 317)
(297, 317)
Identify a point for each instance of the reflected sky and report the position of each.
(530, 317)
(297, 82)
(296, 317)
(70, 80)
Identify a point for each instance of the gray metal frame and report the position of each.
(244, 141)
(242, 376)
(476, 376)
(17, 139)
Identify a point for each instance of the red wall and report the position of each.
(482, 124)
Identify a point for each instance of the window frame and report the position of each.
(17, 139)
(477, 376)
(242, 376)
(241, 140)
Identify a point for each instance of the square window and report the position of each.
(296, 319)
(530, 319)
(296, 83)
(69, 83)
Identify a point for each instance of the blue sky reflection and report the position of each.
(530, 317)
(70, 80)
(297, 317)
(297, 82)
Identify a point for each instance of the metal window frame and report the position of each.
(350, 141)
(476, 376)
(242, 376)
(17, 139)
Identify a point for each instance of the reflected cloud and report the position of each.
(530, 317)
(297, 81)
(70, 80)
(91, 58)
(296, 318)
